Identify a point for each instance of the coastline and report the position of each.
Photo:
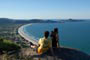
(65, 52)
(25, 36)
(28, 36)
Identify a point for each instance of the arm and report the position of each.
(57, 40)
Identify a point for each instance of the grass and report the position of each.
(8, 45)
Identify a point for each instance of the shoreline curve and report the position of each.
(26, 36)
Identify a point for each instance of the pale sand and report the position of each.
(26, 36)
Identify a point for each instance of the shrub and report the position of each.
(8, 45)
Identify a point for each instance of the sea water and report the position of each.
(71, 34)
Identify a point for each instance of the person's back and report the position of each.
(54, 41)
(44, 43)
(56, 36)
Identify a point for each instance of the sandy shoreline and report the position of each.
(26, 36)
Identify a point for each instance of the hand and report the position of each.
(33, 46)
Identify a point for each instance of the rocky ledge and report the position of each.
(64, 54)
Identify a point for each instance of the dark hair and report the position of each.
(46, 34)
(56, 30)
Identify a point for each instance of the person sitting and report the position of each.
(56, 36)
(53, 38)
(44, 46)
(44, 43)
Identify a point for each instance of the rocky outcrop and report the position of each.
(64, 54)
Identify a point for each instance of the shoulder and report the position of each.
(41, 39)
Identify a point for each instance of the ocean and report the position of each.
(71, 34)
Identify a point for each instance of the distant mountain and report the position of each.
(47, 21)
(72, 20)
(75, 20)
(18, 21)
(6, 20)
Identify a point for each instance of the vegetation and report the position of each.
(11, 43)
(8, 45)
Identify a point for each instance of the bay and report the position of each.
(71, 34)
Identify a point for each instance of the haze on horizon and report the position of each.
(45, 9)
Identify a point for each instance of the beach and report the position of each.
(25, 36)
(64, 53)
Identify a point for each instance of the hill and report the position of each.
(6, 20)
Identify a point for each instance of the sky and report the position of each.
(45, 9)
